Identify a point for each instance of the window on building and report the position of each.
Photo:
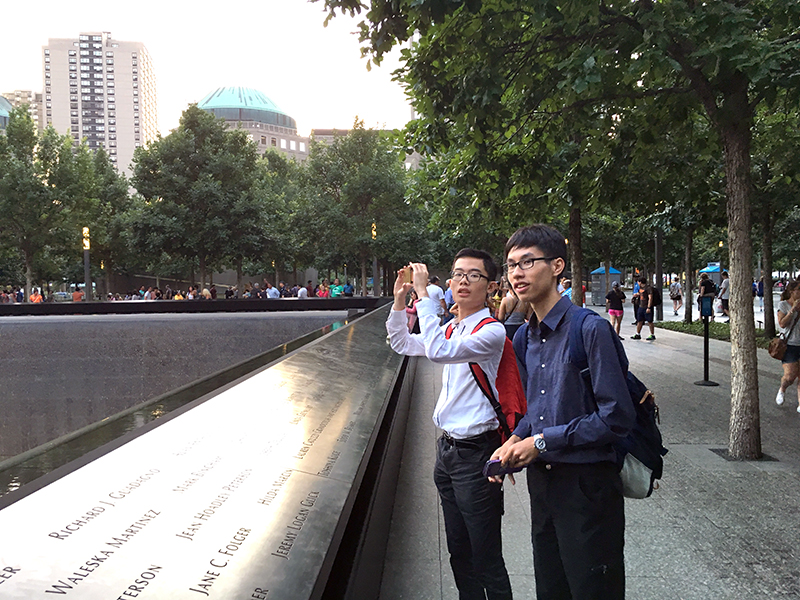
(112, 136)
(109, 61)
(283, 144)
(83, 38)
(109, 76)
(112, 121)
(73, 67)
(72, 52)
(111, 92)
(47, 51)
(274, 142)
(110, 84)
(73, 113)
(84, 45)
(112, 144)
(292, 145)
(73, 60)
(74, 121)
(112, 128)
(47, 58)
(112, 106)
(97, 61)
(97, 53)
(85, 67)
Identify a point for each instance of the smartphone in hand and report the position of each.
(495, 468)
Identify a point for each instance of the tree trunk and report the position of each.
(745, 426)
(607, 265)
(688, 302)
(202, 272)
(659, 283)
(766, 272)
(28, 278)
(576, 254)
(363, 259)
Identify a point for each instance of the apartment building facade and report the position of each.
(103, 90)
(32, 99)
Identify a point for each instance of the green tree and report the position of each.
(359, 181)
(485, 67)
(42, 183)
(195, 183)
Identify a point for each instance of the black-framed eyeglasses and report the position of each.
(525, 263)
(472, 276)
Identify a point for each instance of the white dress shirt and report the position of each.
(461, 410)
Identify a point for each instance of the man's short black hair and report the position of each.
(433, 279)
(488, 261)
(547, 239)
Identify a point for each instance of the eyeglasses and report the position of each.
(472, 276)
(525, 263)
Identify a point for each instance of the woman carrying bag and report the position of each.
(788, 311)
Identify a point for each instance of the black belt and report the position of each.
(476, 441)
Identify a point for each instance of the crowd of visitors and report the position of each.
(251, 291)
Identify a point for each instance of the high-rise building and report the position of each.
(101, 89)
(34, 102)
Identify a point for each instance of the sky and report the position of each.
(313, 73)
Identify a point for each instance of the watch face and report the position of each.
(539, 443)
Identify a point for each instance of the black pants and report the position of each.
(578, 531)
(472, 509)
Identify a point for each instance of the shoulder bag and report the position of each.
(777, 347)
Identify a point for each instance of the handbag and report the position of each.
(777, 346)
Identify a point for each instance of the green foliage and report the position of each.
(348, 185)
(716, 330)
(199, 185)
(43, 189)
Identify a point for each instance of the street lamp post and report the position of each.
(87, 277)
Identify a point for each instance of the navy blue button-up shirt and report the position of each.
(576, 427)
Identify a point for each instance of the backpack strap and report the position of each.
(520, 344)
(577, 350)
(483, 381)
(449, 331)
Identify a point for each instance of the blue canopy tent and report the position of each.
(599, 290)
(714, 272)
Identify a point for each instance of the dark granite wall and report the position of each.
(62, 373)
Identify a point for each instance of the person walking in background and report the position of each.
(614, 301)
(676, 295)
(788, 315)
(337, 289)
(707, 288)
(760, 292)
(513, 313)
(645, 310)
(411, 311)
(437, 295)
(724, 294)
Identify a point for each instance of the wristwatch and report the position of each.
(538, 441)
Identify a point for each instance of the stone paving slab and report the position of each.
(715, 530)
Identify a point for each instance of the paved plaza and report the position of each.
(715, 530)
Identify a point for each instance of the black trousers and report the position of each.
(577, 530)
(472, 509)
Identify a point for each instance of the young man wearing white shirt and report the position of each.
(472, 506)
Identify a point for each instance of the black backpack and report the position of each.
(657, 297)
(640, 454)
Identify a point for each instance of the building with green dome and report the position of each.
(251, 110)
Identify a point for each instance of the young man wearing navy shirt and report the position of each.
(472, 506)
(565, 439)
